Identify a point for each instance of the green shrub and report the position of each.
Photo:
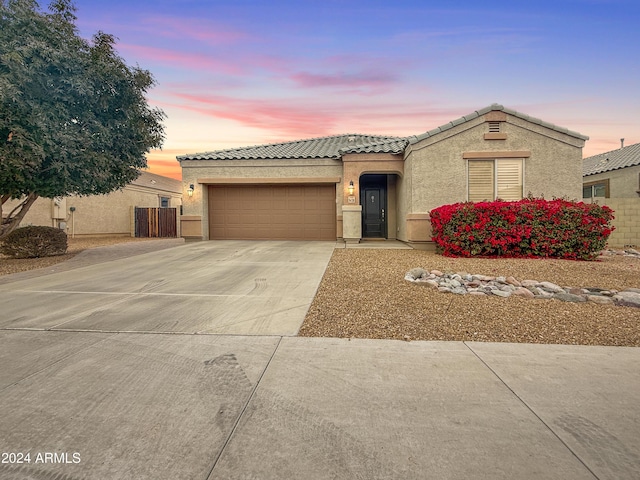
(532, 227)
(34, 242)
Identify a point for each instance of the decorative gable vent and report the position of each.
(494, 127)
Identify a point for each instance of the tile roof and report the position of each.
(158, 182)
(324, 147)
(623, 157)
(337, 145)
(393, 145)
(494, 107)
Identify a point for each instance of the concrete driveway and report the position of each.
(230, 287)
(147, 399)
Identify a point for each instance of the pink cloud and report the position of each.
(164, 163)
(360, 80)
(362, 74)
(206, 32)
(287, 119)
(285, 116)
(193, 61)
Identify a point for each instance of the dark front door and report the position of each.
(374, 223)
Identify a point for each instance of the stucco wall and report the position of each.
(403, 200)
(97, 214)
(555, 166)
(197, 171)
(436, 168)
(439, 171)
(623, 183)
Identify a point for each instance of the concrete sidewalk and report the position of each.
(158, 406)
(154, 404)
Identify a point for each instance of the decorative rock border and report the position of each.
(627, 252)
(463, 283)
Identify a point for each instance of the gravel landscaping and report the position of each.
(364, 294)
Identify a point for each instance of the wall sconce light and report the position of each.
(190, 190)
(351, 187)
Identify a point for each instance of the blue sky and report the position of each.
(243, 72)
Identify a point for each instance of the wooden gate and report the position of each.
(155, 222)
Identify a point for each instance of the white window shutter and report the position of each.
(509, 179)
(481, 180)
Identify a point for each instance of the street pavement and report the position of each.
(183, 363)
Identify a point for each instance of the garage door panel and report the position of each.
(282, 212)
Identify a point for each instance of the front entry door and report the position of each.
(374, 217)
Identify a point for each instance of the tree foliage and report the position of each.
(74, 118)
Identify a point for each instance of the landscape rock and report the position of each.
(599, 299)
(501, 293)
(523, 292)
(417, 272)
(483, 278)
(552, 287)
(569, 297)
(540, 293)
(463, 283)
(627, 299)
(513, 281)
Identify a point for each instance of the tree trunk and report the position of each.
(12, 221)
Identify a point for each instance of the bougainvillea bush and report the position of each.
(533, 227)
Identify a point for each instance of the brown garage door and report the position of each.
(272, 212)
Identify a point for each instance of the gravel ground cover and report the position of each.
(363, 294)
(75, 246)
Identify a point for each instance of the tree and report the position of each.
(74, 118)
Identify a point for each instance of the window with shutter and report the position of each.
(481, 178)
(496, 178)
(509, 179)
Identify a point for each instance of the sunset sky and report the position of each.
(243, 72)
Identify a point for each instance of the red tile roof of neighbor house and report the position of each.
(337, 145)
(604, 162)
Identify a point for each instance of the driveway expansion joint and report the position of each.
(244, 409)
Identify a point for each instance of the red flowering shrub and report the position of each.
(532, 227)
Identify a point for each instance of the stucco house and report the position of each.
(613, 179)
(356, 187)
(110, 214)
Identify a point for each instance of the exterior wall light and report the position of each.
(351, 187)
(190, 190)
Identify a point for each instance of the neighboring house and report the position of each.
(110, 214)
(613, 179)
(356, 187)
